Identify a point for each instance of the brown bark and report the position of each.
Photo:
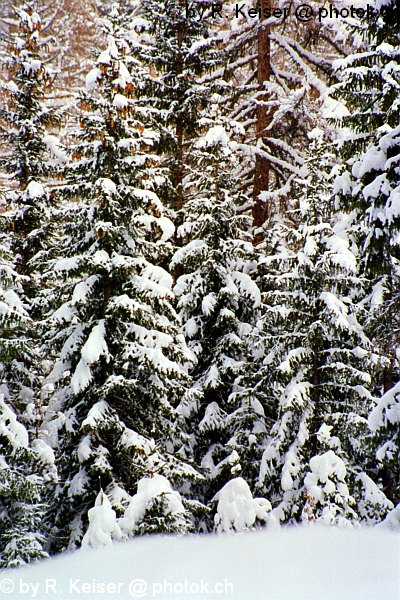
(385, 475)
(260, 210)
(387, 380)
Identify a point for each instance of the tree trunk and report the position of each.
(387, 380)
(261, 175)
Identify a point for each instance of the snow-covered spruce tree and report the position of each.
(120, 368)
(178, 49)
(315, 364)
(384, 422)
(19, 363)
(24, 118)
(109, 128)
(218, 300)
(22, 493)
(17, 356)
(156, 507)
(237, 510)
(122, 364)
(369, 187)
(103, 527)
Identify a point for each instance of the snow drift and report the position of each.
(297, 563)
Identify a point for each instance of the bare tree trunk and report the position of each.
(261, 175)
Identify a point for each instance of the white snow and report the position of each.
(198, 44)
(373, 159)
(82, 289)
(237, 509)
(78, 483)
(216, 135)
(214, 418)
(295, 563)
(110, 52)
(92, 77)
(53, 144)
(35, 190)
(12, 86)
(337, 307)
(387, 409)
(124, 76)
(95, 415)
(44, 453)
(208, 304)
(191, 328)
(328, 464)
(107, 185)
(13, 302)
(372, 494)
(94, 347)
(324, 433)
(393, 207)
(131, 438)
(100, 257)
(373, 189)
(10, 427)
(195, 246)
(81, 377)
(392, 521)
(149, 488)
(66, 264)
(247, 286)
(160, 276)
(84, 449)
(324, 468)
(103, 528)
(104, 57)
(120, 101)
(168, 228)
(378, 292)
(212, 378)
(342, 184)
(290, 467)
(32, 65)
(333, 109)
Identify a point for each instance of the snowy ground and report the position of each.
(311, 563)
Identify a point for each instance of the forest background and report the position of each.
(199, 271)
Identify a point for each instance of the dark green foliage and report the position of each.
(369, 187)
(21, 492)
(24, 119)
(218, 301)
(314, 361)
(122, 364)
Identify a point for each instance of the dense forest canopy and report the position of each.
(199, 269)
